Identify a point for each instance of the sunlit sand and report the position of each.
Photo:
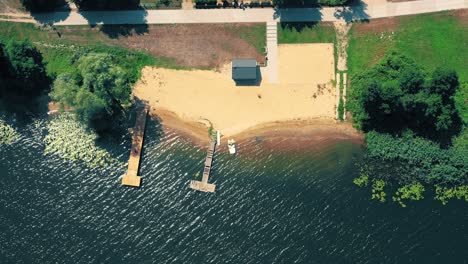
(304, 92)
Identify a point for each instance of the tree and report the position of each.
(23, 70)
(444, 82)
(395, 95)
(107, 4)
(97, 91)
(309, 3)
(41, 5)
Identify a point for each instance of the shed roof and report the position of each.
(244, 69)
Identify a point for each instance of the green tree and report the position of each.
(308, 3)
(97, 91)
(41, 5)
(23, 70)
(395, 95)
(107, 4)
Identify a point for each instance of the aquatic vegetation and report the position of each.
(411, 191)
(444, 194)
(69, 139)
(361, 181)
(7, 133)
(377, 190)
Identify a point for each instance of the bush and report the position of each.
(423, 159)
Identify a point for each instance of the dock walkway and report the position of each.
(203, 185)
(132, 178)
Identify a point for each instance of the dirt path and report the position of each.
(14, 16)
(342, 29)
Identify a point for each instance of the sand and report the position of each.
(209, 98)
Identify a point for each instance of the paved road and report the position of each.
(368, 9)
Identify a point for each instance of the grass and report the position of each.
(58, 51)
(255, 35)
(289, 33)
(438, 39)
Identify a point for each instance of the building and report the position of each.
(245, 71)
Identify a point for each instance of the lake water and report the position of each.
(269, 207)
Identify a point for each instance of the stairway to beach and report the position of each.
(272, 46)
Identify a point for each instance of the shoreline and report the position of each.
(292, 135)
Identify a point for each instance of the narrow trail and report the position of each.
(17, 17)
(342, 29)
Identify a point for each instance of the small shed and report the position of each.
(244, 70)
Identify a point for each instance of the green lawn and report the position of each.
(306, 33)
(431, 40)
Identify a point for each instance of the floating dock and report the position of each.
(132, 178)
(203, 185)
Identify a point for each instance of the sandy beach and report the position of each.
(304, 93)
(285, 136)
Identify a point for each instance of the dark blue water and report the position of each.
(269, 207)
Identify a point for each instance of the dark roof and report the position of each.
(244, 69)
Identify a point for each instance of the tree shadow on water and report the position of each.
(121, 133)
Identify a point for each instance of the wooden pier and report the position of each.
(132, 178)
(203, 185)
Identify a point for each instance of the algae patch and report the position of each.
(69, 139)
(7, 133)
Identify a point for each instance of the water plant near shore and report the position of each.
(69, 139)
(411, 191)
(7, 133)
(377, 190)
(444, 194)
(361, 181)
